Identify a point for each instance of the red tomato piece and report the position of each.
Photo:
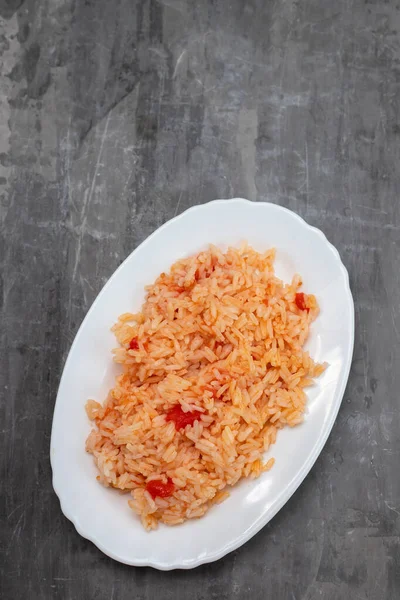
(301, 301)
(180, 418)
(134, 344)
(156, 487)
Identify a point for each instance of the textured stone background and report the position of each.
(114, 117)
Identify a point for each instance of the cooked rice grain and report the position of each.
(221, 335)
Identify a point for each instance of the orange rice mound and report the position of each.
(219, 336)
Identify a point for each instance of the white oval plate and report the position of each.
(102, 515)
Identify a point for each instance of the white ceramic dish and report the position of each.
(102, 515)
